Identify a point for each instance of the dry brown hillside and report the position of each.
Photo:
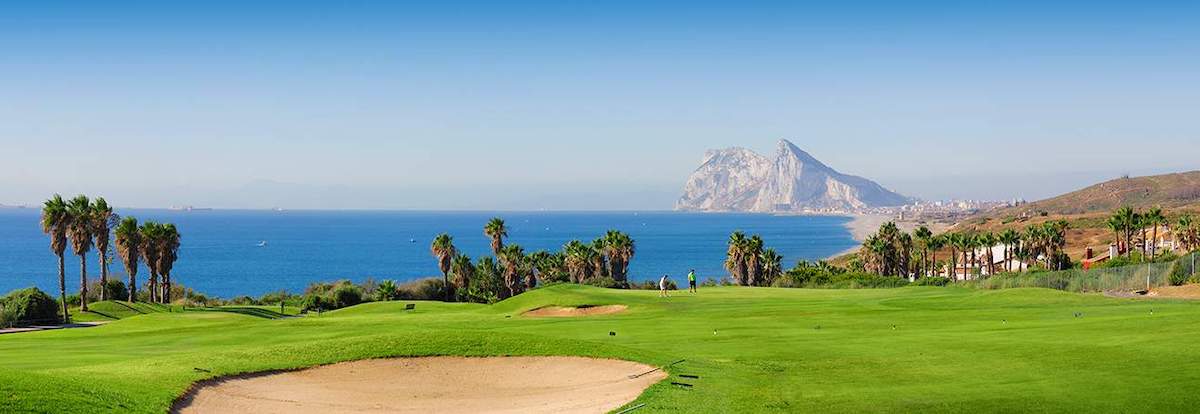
(1167, 191)
(1086, 210)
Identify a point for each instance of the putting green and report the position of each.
(924, 349)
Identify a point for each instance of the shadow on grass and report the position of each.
(249, 311)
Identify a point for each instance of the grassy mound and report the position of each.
(914, 349)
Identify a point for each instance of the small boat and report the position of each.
(262, 243)
(412, 240)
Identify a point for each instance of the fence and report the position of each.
(1126, 278)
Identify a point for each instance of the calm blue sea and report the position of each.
(220, 253)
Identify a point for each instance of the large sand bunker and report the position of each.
(567, 312)
(435, 384)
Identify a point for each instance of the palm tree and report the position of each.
(496, 230)
(129, 243)
(735, 261)
(1009, 238)
(54, 224)
(923, 236)
(150, 236)
(618, 247)
(513, 259)
(578, 260)
(771, 266)
(935, 243)
(463, 270)
(753, 252)
(1187, 233)
(1155, 218)
(1124, 220)
(168, 245)
(988, 240)
(443, 249)
(79, 230)
(103, 221)
(599, 260)
(952, 242)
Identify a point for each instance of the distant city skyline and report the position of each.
(567, 106)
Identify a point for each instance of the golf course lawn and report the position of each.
(914, 349)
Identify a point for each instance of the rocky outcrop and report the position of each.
(737, 179)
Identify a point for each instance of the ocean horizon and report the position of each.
(229, 253)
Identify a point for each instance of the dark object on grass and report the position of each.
(410, 306)
(612, 333)
(689, 376)
(681, 384)
(201, 370)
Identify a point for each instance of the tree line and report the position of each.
(511, 271)
(891, 251)
(85, 223)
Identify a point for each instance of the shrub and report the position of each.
(346, 295)
(29, 306)
(606, 282)
(314, 302)
(1180, 273)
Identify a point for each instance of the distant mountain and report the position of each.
(737, 179)
(1167, 191)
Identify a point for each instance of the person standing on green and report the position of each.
(692, 281)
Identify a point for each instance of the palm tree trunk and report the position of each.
(62, 287)
(103, 276)
(1154, 242)
(132, 288)
(166, 288)
(83, 283)
(446, 284)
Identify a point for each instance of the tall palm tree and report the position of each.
(54, 224)
(922, 235)
(168, 253)
(1009, 238)
(443, 249)
(497, 231)
(1155, 218)
(952, 242)
(619, 248)
(578, 260)
(103, 222)
(129, 244)
(753, 253)
(772, 266)
(1186, 233)
(150, 238)
(987, 240)
(513, 259)
(1125, 220)
(463, 270)
(79, 230)
(735, 260)
(935, 243)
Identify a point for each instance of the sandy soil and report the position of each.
(435, 384)
(565, 312)
(1177, 292)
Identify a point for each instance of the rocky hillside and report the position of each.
(737, 179)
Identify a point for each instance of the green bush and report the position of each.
(346, 296)
(315, 302)
(29, 306)
(606, 282)
(1180, 273)
(387, 290)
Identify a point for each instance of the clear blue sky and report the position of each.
(581, 105)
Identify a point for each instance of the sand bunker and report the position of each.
(566, 312)
(1177, 292)
(435, 384)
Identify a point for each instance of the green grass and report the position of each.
(915, 349)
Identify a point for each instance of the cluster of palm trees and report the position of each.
(1126, 224)
(578, 262)
(1187, 233)
(891, 251)
(84, 223)
(751, 264)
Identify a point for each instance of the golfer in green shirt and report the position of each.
(692, 281)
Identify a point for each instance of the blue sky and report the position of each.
(581, 105)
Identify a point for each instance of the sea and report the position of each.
(227, 253)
